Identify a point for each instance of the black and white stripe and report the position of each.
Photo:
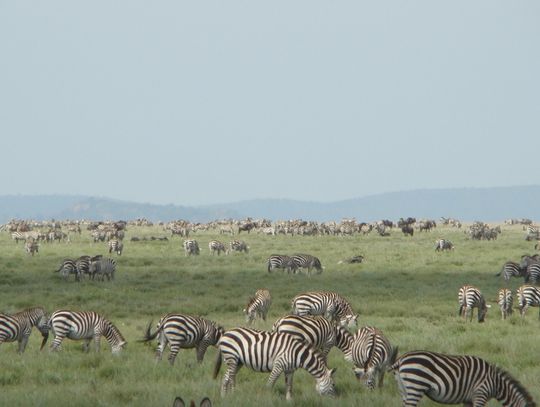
(443, 244)
(505, 301)
(18, 327)
(116, 246)
(371, 354)
(456, 379)
(238, 246)
(216, 246)
(532, 274)
(102, 268)
(272, 352)
(258, 306)
(279, 261)
(307, 261)
(67, 267)
(528, 296)
(470, 297)
(191, 247)
(317, 332)
(184, 332)
(329, 304)
(85, 325)
(512, 269)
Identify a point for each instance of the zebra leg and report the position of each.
(97, 341)
(161, 347)
(410, 396)
(229, 377)
(174, 351)
(288, 385)
(86, 345)
(201, 350)
(22, 343)
(55, 345)
(275, 373)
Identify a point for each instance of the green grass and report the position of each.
(403, 287)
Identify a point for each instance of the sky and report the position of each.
(195, 103)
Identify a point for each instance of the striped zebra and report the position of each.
(307, 261)
(191, 247)
(470, 297)
(216, 246)
(505, 302)
(272, 352)
(68, 267)
(18, 327)
(116, 245)
(528, 296)
(31, 247)
(85, 325)
(371, 354)
(102, 268)
(238, 246)
(316, 331)
(511, 269)
(443, 244)
(532, 274)
(279, 261)
(258, 306)
(184, 332)
(450, 379)
(327, 303)
(533, 232)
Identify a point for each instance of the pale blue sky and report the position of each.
(198, 102)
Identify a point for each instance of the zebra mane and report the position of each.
(516, 385)
(114, 329)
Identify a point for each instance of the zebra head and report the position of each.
(482, 311)
(118, 347)
(349, 321)
(325, 384)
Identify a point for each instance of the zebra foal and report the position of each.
(258, 306)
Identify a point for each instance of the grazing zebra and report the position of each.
(279, 261)
(103, 268)
(116, 245)
(272, 352)
(505, 302)
(528, 296)
(470, 297)
(19, 236)
(456, 379)
(216, 246)
(316, 331)
(31, 247)
(532, 274)
(371, 354)
(86, 325)
(443, 244)
(238, 246)
(68, 267)
(308, 262)
(18, 327)
(327, 303)
(258, 306)
(533, 233)
(191, 247)
(511, 269)
(184, 331)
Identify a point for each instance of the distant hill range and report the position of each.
(466, 204)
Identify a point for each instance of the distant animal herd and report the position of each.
(317, 322)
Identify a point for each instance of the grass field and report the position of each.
(403, 287)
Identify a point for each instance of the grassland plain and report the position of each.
(403, 287)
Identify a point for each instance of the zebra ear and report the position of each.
(205, 402)
(178, 402)
(333, 371)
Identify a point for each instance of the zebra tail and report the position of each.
(148, 335)
(393, 355)
(44, 341)
(217, 366)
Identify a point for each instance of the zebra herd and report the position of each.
(528, 268)
(95, 267)
(191, 247)
(294, 263)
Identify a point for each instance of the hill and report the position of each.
(468, 204)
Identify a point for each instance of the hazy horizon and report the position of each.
(205, 103)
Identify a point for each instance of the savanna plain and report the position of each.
(403, 287)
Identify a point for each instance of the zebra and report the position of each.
(327, 303)
(103, 268)
(371, 354)
(179, 402)
(273, 352)
(470, 297)
(116, 245)
(18, 327)
(532, 275)
(533, 233)
(31, 247)
(316, 331)
(184, 331)
(191, 247)
(216, 246)
(443, 244)
(86, 325)
(68, 267)
(505, 302)
(279, 261)
(238, 246)
(258, 306)
(528, 296)
(307, 261)
(511, 269)
(451, 379)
